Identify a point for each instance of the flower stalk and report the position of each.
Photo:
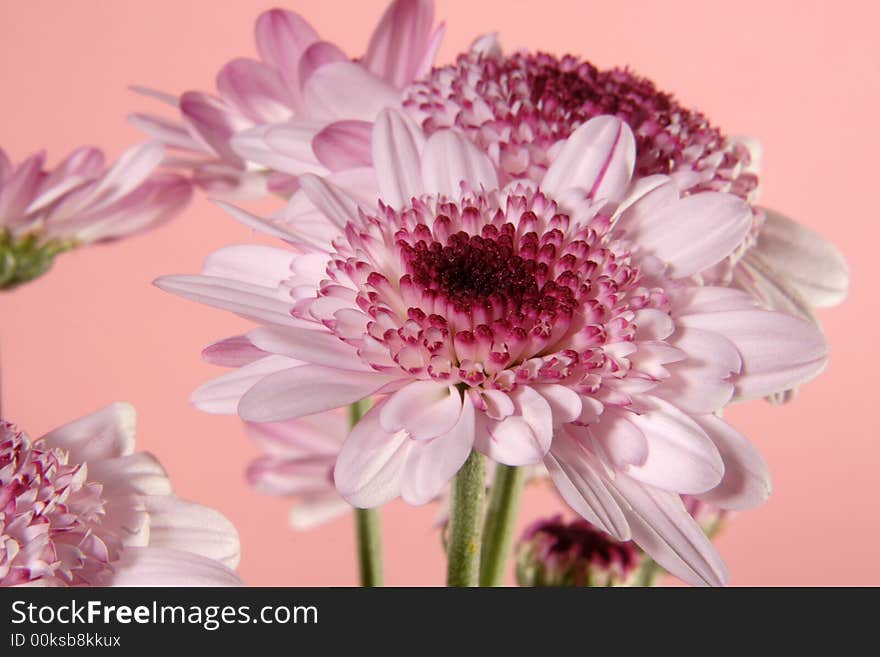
(368, 525)
(466, 522)
(499, 526)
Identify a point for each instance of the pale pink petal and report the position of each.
(281, 37)
(694, 232)
(371, 463)
(565, 403)
(621, 441)
(487, 45)
(576, 472)
(396, 147)
(425, 409)
(344, 145)
(331, 200)
(317, 55)
(345, 90)
(266, 266)
(664, 529)
(779, 352)
(314, 510)
(430, 54)
(432, 463)
(283, 147)
(318, 347)
(597, 158)
(308, 389)
(214, 121)
(168, 132)
(681, 457)
(522, 438)
(222, 394)
(82, 165)
(138, 473)
(232, 352)
(281, 230)
(104, 434)
(154, 566)
(746, 482)
(256, 302)
(397, 46)
(20, 187)
(703, 382)
(796, 258)
(255, 90)
(180, 525)
(449, 159)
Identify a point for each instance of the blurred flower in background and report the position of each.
(44, 212)
(79, 507)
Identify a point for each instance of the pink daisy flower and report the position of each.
(555, 323)
(519, 109)
(44, 212)
(282, 101)
(79, 507)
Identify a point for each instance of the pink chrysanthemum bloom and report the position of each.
(520, 108)
(553, 552)
(282, 101)
(44, 212)
(556, 322)
(79, 507)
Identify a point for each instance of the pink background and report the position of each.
(802, 76)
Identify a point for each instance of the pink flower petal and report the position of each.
(575, 471)
(232, 352)
(425, 409)
(281, 37)
(779, 352)
(344, 145)
(622, 442)
(370, 466)
(694, 232)
(681, 458)
(317, 55)
(255, 90)
(345, 90)
(397, 144)
(308, 389)
(522, 438)
(598, 158)
(318, 347)
(664, 529)
(565, 403)
(331, 200)
(221, 395)
(266, 266)
(449, 159)
(399, 41)
(154, 566)
(214, 121)
(180, 525)
(432, 463)
(283, 147)
(104, 434)
(746, 482)
(139, 473)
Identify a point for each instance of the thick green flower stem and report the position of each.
(507, 490)
(369, 536)
(466, 522)
(368, 524)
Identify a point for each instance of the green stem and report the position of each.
(500, 519)
(466, 522)
(369, 535)
(367, 522)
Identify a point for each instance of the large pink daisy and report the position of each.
(555, 322)
(79, 507)
(280, 102)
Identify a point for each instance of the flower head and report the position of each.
(557, 322)
(281, 102)
(552, 552)
(79, 507)
(46, 211)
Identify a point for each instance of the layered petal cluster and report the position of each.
(298, 460)
(46, 211)
(268, 112)
(519, 108)
(553, 552)
(555, 322)
(79, 507)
